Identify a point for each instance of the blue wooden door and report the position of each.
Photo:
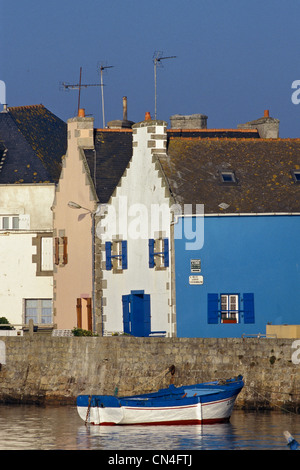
(136, 313)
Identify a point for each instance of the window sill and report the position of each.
(229, 320)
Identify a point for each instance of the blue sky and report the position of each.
(234, 58)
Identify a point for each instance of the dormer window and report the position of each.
(228, 177)
(296, 176)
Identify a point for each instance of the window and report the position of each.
(38, 310)
(230, 308)
(116, 255)
(296, 176)
(228, 177)
(9, 222)
(159, 253)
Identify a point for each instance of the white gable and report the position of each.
(139, 211)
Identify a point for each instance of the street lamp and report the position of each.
(74, 205)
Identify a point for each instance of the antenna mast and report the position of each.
(79, 86)
(157, 58)
(103, 67)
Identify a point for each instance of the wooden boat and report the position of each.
(206, 403)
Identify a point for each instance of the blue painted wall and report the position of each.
(240, 254)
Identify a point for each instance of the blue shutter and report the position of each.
(108, 255)
(147, 315)
(212, 308)
(125, 301)
(124, 254)
(249, 308)
(166, 252)
(151, 253)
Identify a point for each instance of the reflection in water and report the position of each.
(194, 437)
(54, 428)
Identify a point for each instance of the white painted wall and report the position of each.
(34, 200)
(140, 190)
(18, 277)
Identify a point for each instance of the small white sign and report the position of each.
(196, 280)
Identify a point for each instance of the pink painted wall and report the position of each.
(74, 279)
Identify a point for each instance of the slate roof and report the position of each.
(33, 141)
(113, 151)
(214, 133)
(263, 169)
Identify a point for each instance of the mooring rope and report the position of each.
(272, 403)
(88, 410)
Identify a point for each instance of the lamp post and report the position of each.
(74, 205)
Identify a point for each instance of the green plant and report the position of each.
(81, 332)
(5, 323)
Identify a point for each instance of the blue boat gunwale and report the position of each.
(171, 396)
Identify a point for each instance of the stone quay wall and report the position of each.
(43, 369)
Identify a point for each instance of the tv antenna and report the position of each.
(102, 68)
(157, 58)
(78, 86)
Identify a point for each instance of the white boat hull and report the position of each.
(198, 413)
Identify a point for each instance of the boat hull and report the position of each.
(198, 404)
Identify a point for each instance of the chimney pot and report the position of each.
(81, 112)
(266, 113)
(147, 116)
(124, 108)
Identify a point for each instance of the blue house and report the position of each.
(237, 252)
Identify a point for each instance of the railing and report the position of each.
(30, 327)
(258, 335)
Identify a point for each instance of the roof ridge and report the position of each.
(27, 106)
(240, 131)
(238, 139)
(113, 130)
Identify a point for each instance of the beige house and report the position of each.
(73, 237)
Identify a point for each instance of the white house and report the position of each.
(136, 242)
(32, 143)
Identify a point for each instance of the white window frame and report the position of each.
(229, 307)
(37, 314)
(9, 222)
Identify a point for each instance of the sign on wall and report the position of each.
(196, 280)
(195, 265)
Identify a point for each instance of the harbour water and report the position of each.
(28, 427)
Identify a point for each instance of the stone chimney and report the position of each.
(268, 127)
(192, 121)
(124, 124)
(81, 131)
